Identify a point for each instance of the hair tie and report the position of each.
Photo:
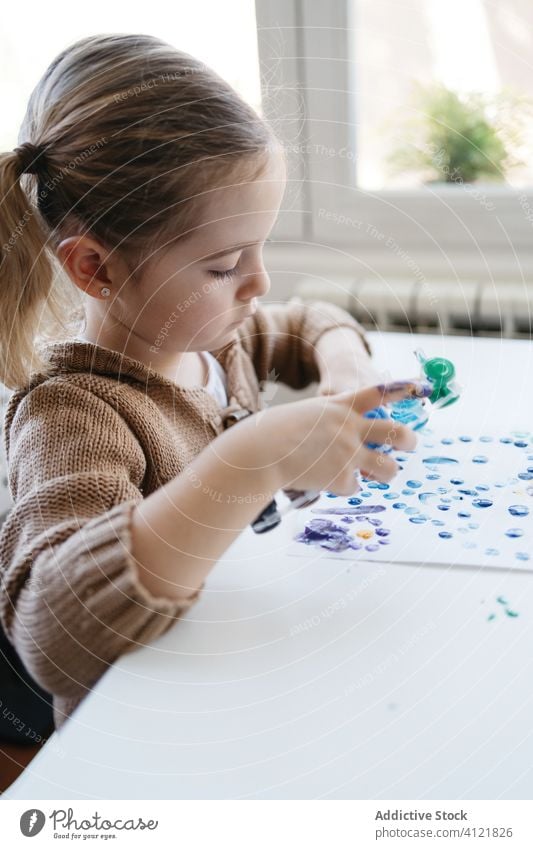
(28, 156)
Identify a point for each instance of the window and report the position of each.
(335, 68)
(466, 45)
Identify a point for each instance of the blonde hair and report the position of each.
(122, 137)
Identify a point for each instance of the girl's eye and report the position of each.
(223, 275)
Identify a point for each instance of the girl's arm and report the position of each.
(181, 529)
(283, 338)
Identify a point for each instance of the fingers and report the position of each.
(377, 466)
(388, 432)
(374, 396)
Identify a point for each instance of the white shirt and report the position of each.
(216, 382)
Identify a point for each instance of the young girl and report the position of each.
(152, 187)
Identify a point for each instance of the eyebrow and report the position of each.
(230, 250)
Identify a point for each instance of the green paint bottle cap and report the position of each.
(441, 373)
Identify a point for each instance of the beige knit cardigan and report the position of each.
(87, 443)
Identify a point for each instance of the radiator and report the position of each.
(480, 308)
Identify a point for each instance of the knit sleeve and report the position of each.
(281, 338)
(71, 601)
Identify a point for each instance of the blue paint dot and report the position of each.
(442, 490)
(468, 491)
(408, 492)
(465, 438)
(506, 440)
(433, 477)
(331, 495)
(438, 523)
(482, 502)
(400, 505)
(443, 506)
(390, 496)
(384, 541)
(525, 476)
(456, 481)
(485, 439)
(418, 520)
(383, 532)
(522, 555)
(412, 511)
(521, 444)
(514, 533)
(446, 500)
(375, 522)
(438, 461)
(480, 458)
(347, 519)
(492, 552)
(447, 441)
(482, 487)
(445, 534)
(401, 459)
(519, 510)
(473, 526)
(426, 496)
(463, 514)
(372, 547)
(353, 500)
(365, 494)
(414, 484)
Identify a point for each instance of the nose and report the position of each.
(254, 285)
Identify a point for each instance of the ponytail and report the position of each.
(32, 300)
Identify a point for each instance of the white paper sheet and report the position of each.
(443, 521)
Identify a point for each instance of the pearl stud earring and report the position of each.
(105, 291)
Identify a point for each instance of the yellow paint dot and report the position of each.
(365, 534)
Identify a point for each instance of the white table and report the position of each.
(400, 689)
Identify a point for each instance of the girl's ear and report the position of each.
(90, 265)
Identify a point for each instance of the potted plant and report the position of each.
(456, 138)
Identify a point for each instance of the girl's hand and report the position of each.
(320, 443)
